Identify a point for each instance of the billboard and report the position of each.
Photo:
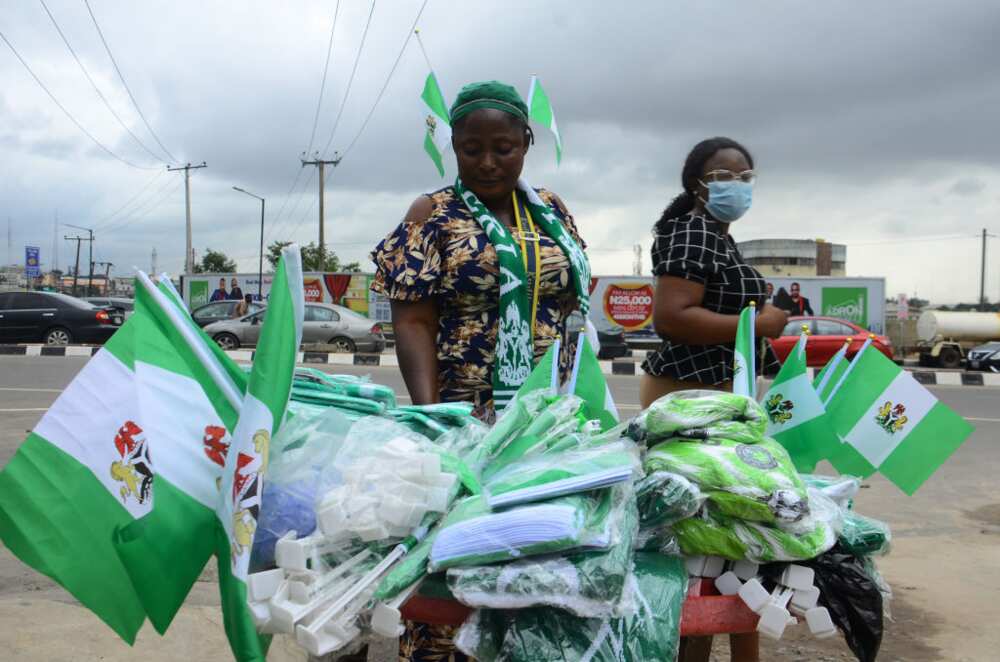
(348, 290)
(625, 301)
(31, 264)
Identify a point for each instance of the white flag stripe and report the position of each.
(800, 391)
(847, 372)
(178, 438)
(94, 406)
(871, 439)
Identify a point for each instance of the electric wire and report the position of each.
(146, 209)
(69, 115)
(125, 85)
(93, 84)
(388, 78)
(295, 206)
(350, 81)
(322, 85)
(135, 197)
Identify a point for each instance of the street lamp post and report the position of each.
(260, 261)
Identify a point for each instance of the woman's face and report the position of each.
(490, 146)
(729, 159)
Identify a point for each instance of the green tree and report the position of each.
(310, 258)
(214, 262)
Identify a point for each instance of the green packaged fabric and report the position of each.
(864, 536)
(754, 482)
(683, 411)
(587, 584)
(712, 533)
(659, 585)
(472, 535)
(560, 414)
(664, 497)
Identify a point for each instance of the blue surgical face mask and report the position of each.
(728, 201)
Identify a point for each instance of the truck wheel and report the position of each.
(949, 358)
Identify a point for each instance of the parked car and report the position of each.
(122, 304)
(55, 319)
(611, 338)
(221, 310)
(826, 336)
(324, 323)
(984, 357)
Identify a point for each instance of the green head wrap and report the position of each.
(489, 94)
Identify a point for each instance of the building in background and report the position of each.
(794, 258)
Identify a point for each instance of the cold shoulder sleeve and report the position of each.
(408, 261)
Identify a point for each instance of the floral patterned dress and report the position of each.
(447, 257)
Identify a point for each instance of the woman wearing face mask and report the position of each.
(702, 280)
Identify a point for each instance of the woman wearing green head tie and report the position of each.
(482, 275)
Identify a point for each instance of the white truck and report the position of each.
(945, 337)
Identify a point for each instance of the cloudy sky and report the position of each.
(872, 124)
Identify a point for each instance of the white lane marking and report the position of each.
(982, 420)
(33, 390)
(14, 411)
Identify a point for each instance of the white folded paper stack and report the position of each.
(583, 483)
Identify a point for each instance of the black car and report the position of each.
(220, 310)
(55, 319)
(984, 357)
(612, 338)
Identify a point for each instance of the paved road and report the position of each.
(944, 568)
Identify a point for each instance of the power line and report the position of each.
(125, 85)
(298, 201)
(145, 208)
(94, 85)
(322, 85)
(350, 81)
(387, 78)
(110, 220)
(67, 113)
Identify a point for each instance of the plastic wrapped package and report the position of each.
(587, 584)
(559, 414)
(546, 475)
(683, 411)
(472, 535)
(659, 585)
(842, 489)
(664, 497)
(755, 482)
(864, 536)
(710, 533)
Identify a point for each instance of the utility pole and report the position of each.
(76, 268)
(320, 163)
(90, 278)
(107, 277)
(188, 250)
(637, 265)
(152, 271)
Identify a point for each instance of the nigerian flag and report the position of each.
(262, 412)
(540, 110)
(112, 494)
(744, 356)
(830, 375)
(437, 138)
(890, 423)
(588, 382)
(795, 415)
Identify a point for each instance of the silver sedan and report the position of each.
(325, 323)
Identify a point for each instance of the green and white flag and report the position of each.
(744, 356)
(831, 373)
(540, 110)
(588, 381)
(112, 494)
(890, 423)
(795, 416)
(437, 138)
(262, 413)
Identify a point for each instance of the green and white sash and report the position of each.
(515, 345)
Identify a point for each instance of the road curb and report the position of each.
(617, 367)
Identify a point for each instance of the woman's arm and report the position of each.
(679, 315)
(415, 325)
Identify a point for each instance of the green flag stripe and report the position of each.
(938, 435)
(870, 376)
(274, 362)
(51, 503)
(432, 151)
(541, 108)
(794, 364)
(434, 99)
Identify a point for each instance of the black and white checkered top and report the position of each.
(694, 247)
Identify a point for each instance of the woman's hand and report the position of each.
(415, 325)
(771, 321)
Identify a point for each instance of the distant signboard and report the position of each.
(625, 301)
(350, 290)
(32, 267)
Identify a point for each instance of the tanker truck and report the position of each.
(945, 337)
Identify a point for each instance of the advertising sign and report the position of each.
(857, 300)
(31, 263)
(349, 290)
(847, 303)
(629, 305)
